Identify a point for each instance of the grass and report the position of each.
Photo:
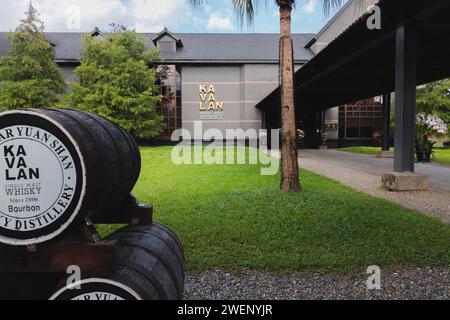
(363, 150)
(441, 156)
(231, 217)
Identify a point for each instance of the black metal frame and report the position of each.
(387, 122)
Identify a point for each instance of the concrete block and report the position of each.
(405, 181)
(385, 155)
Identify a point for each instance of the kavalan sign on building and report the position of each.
(210, 109)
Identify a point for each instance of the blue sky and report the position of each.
(308, 18)
(153, 15)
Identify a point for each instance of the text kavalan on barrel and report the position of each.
(37, 179)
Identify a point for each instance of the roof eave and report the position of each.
(197, 61)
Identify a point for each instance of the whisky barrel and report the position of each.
(58, 165)
(151, 261)
(96, 289)
(150, 266)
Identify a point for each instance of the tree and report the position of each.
(117, 81)
(29, 76)
(434, 98)
(245, 11)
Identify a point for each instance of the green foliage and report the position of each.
(29, 77)
(117, 83)
(434, 98)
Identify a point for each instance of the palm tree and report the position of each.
(245, 12)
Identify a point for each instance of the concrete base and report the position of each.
(405, 181)
(385, 154)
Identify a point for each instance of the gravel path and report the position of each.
(365, 176)
(411, 284)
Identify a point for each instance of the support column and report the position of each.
(323, 131)
(387, 122)
(405, 95)
(404, 178)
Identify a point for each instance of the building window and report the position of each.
(169, 82)
(361, 120)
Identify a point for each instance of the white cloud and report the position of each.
(195, 20)
(218, 22)
(144, 15)
(10, 14)
(310, 6)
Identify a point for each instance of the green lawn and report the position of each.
(229, 216)
(441, 156)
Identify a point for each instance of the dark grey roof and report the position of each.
(168, 33)
(198, 47)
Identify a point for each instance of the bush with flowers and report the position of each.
(428, 126)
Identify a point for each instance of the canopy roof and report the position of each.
(360, 63)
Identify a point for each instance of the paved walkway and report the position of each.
(363, 172)
(439, 175)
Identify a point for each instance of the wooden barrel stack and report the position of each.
(150, 267)
(60, 171)
(150, 245)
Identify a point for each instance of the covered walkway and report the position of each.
(410, 49)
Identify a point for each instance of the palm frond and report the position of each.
(197, 3)
(328, 5)
(244, 11)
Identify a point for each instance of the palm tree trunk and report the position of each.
(289, 155)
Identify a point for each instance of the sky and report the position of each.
(153, 15)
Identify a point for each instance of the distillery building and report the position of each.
(214, 78)
(222, 79)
